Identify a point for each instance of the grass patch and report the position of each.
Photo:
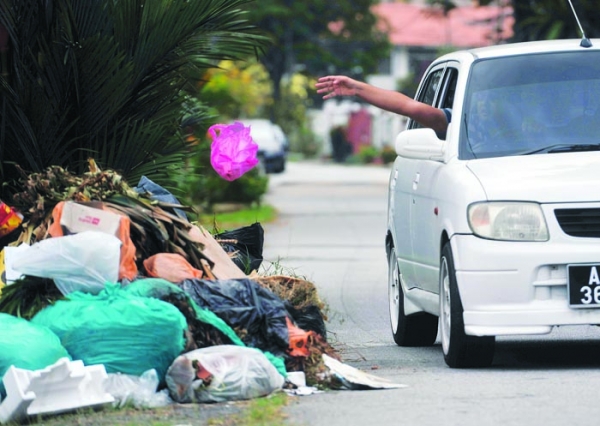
(242, 216)
(259, 412)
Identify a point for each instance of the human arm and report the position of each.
(389, 100)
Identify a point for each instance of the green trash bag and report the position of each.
(163, 289)
(126, 333)
(26, 345)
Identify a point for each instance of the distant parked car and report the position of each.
(283, 137)
(496, 229)
(271, 141)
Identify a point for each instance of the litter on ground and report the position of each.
(111, 296)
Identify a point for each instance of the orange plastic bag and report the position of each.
(127, 268)
(171, 266)
(298, 340)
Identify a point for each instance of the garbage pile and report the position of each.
(110, 293)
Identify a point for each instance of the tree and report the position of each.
(319, 37)
(545, 19)
(237, 89)
(108, 79)
(553, 19)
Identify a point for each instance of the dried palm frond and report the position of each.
(298, 292)
(39, 193)
(155, 228)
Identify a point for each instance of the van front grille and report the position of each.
(583, 223)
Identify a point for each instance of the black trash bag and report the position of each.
(248, 246)
(245, 305)
(309, 318)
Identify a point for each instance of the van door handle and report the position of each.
(416, 181)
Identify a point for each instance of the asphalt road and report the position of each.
(330, 230)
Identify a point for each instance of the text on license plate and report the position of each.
(584, 285)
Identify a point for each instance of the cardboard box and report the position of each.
(77, 218)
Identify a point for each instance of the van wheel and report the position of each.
(460, 350)
(419, 329)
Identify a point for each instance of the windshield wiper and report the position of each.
(564, 147)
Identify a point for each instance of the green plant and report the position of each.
(388, 154)
(247, 189)
(200, 186)
(367, 154)
(237, 89)
(275, 267)
(108, 79)
(304, 141)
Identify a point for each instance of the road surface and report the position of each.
(331, 230)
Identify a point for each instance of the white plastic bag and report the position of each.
(235, 373)
(141, 391)
(80, 262)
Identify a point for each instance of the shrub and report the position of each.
(388, 154)
(248, 189)
(304, 141)
(367, 154)
(201, 187)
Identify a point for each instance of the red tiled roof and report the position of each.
(467, 26)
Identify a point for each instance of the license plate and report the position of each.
(584, 285)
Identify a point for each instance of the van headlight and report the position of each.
(508, 221)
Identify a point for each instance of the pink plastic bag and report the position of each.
(233, 152)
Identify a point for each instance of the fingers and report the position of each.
(327, 85)
(326, 79)
(325, 82)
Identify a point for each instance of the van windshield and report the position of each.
(532, 104)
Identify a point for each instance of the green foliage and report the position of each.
(247, 189)
(237, 89)
(291, 115)
(367, 154)
(303, 38)
(291, 110)
(545, 19)
(109, 80)
(552, 19)
(304, 141)
(388, 154)
(200, 186)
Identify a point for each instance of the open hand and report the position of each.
(336, 85)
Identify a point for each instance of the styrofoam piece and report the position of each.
(64, 386)
(297, 377)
